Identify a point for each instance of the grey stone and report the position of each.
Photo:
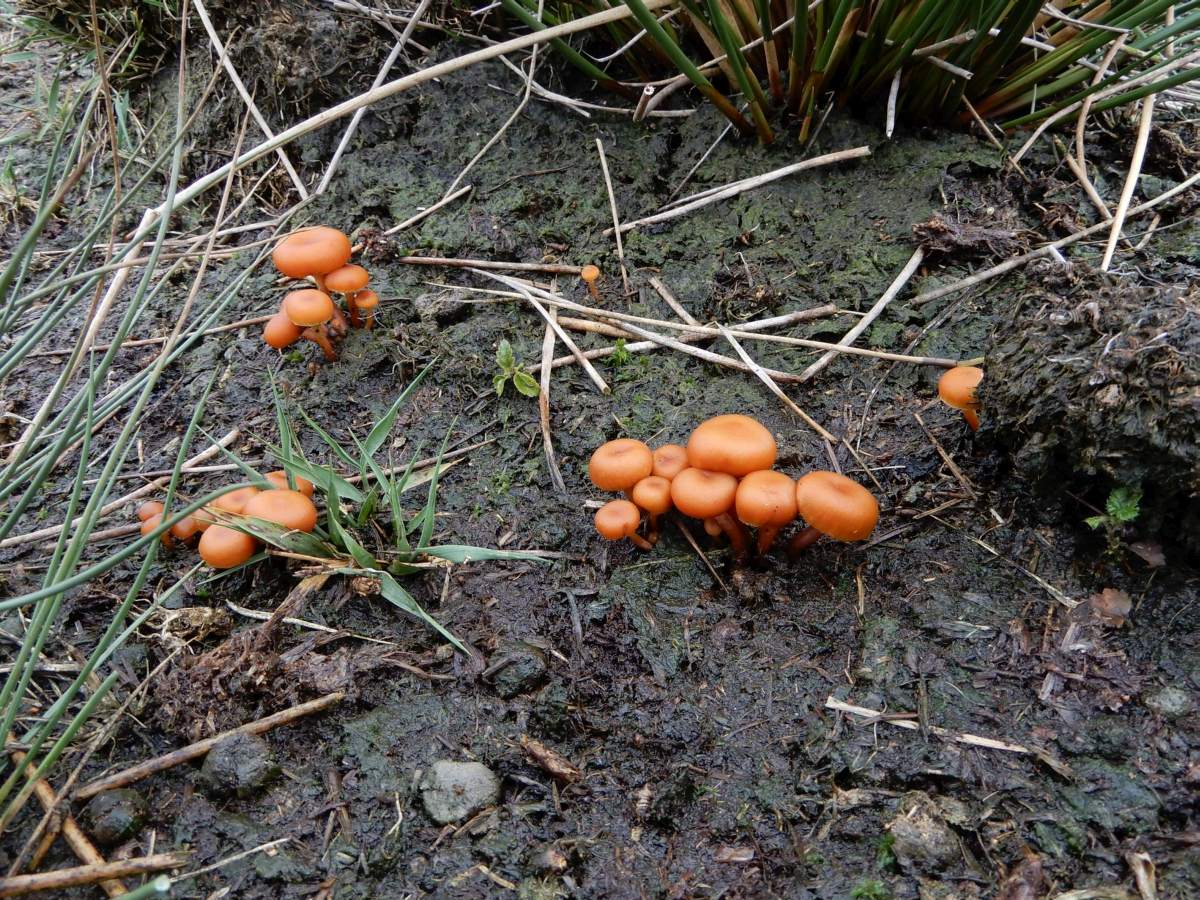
(241, 764)
(451, 790)
(115, 816)
(1170, 701)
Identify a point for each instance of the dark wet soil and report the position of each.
(694, 708)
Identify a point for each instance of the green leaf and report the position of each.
(1095, 521)
(1124, 503)
(526, 384)
(281, 538)
(431, 503)
(505, 358)
(461, 553)
(498, 382)
(383, 428)
(399, 597)
(328, 439)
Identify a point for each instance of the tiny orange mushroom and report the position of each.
(620, 519)
(669, 461)
(148, 509)
(224, 548)
(309, 310)
(734, 444)
(766, 500)
(590, 275)
(957, 388)
(288, 508)
(279, 479)
(312, 252)
(652, 494)
(280, 331)
(366, 302)
(833, 505)
(151, 524)
(348, 281)
(619, 465)
(710, 496)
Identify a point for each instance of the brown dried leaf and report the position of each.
(1150, 552)
(1112, 606)
(554, 763)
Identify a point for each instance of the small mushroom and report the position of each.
(348, 281)
(669, 461)
(710, 496)
(279, 479)
(280, 331)
(234, 501)
(185, 529)
(957, 388)
(734, 444)
(312, 252)
(148, 509)
(367, 301)
(620, 519)
(619, 465)
(149, 525)
(652, 494)
(288, 508)
(766, 500)
(590, 275)
(309, 310)
(224, 548)
(833, 505)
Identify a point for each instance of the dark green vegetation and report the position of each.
(695, 709)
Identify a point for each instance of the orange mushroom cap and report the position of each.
(148, 509)
(620, 464)
(653, 494)
(836, 506)
(957, 387)
(279, 480)
(234, 501)
(766, 498)
(347, 278)
(150, 524)
(224, 548)
(735, 444)
(186, 528)
(702, 494)
(280, 331)
(313, 251)
(308, 307)
(366, 299)
(669, 461)
(589, 272)
(288, 508)
(617, 519)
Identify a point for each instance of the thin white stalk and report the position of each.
(616, 219)
(1131, 179)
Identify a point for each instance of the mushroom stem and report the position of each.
(972, 418)
(802, 540)
(652, 527)
(711, 528)
(352, 308)
(336, 325)
(766, 537)
(738, 539)
(320, 280)
(317, 335)
(640, 542)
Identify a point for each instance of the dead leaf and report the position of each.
(1151, 553)
(554, 763)
(1112, 606)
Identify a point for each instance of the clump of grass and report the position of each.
(1008, 59)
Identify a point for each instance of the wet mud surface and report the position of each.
(694, 707)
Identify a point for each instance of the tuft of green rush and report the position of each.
(1008, 59)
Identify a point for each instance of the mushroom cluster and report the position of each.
(724, 477)
(322, 254)
(222, 546)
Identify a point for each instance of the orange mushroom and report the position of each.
(619, 465)
(234, 501)
(186, 529)
(833, 505)
(280, 331)
(367, 301)
(957, 388)
(766, 500)
(734, 444)
(312, 252)
(279, 479)
(224, 548)
(151, 523)
(652, 494)
(710, 496)
(620, 519)
(309, 310)
(288, 508)
(148, 509)
(669, 461)
(348, 281)
(590, 275)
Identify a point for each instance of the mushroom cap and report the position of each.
(766, 497)
(620, 464)
(308, 307)
(836, 506)
(957, 386)
(617, 519)
(347, 278)
(702, 494)
(734, 444)
(148, 509)
(669, 461)
(291, 509)
(653, 494)
(224, 548)
(279, 480)
(280, 331)
(313, 251)
(186, 528)
(234, 501)
(589, 272)
(366, 299)
(148, 526)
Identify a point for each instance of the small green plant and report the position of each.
(870, 889)
(512, 370)
(885, 856)
(1122, 507)
(620, 355)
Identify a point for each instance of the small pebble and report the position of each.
(115, 816)
(452, 791)
(241, 764)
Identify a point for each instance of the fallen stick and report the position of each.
(747, 184)
(1131, 178)
(551, 268)
(200, 748)
(706, 355)
(612, 197)
(873, 313)
(429, 211)
(671, 300)
(544, 408)
(147, 342)
(61, 879)
(960, 737)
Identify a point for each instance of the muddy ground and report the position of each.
(694, 706)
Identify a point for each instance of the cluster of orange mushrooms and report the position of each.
(322, 254)
(223, 547)
(724, 478)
